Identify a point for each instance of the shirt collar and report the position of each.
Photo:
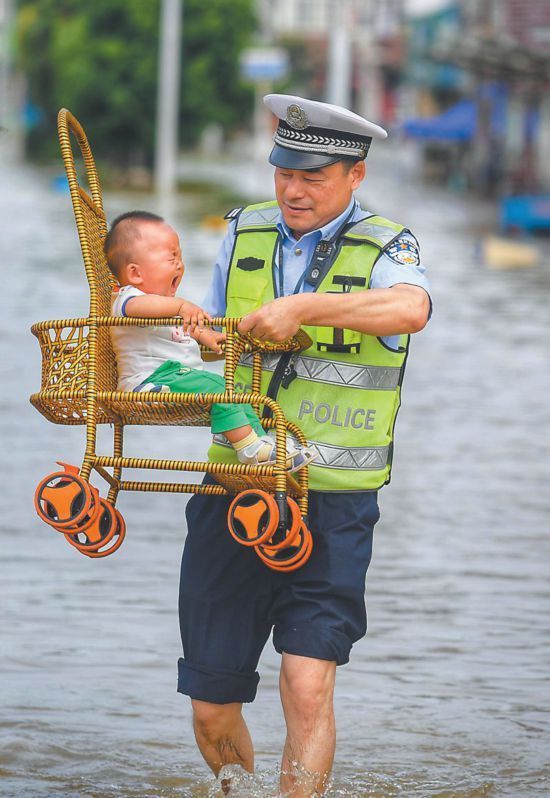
(325, 232)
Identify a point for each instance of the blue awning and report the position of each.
(455, 124)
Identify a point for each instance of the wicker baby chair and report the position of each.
(79, 379)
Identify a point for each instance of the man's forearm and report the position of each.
(380, 311)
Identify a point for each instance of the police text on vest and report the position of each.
(323, 413)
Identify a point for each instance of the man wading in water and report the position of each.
(353, 280)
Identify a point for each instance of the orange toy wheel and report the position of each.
(290, 558)
(89, 520)
(95, 531)
(252, 517)
(63, 499)
(280, 541)
(102, 538)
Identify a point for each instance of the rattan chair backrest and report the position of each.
(92, 229)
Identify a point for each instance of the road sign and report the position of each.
(264, 63)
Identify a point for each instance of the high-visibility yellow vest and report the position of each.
(344, 391)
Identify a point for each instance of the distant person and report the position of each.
(143, 253)
(314, 259)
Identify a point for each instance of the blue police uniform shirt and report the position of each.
(399, 264)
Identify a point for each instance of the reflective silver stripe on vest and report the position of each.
(352, 458)
(328, 456)
(258, 217)
(376, 231)
(373, 378)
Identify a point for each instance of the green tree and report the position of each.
(100, 60)
(214, 35)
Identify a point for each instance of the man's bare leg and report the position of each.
(222, 736)
(307, 690)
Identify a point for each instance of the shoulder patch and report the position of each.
(233, 213)
(404, 252)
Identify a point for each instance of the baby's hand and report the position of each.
(193, 316)
(206, 336)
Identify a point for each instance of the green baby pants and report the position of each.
(181, 379)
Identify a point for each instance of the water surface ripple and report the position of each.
(447, 696)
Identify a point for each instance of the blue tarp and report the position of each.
(526, 212)
(455, 124)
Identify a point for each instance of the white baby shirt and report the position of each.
(141, 350)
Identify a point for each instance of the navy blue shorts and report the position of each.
(230, 601)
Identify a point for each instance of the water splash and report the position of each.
(367, 784)
(243, 784)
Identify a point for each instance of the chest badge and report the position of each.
(250, 264)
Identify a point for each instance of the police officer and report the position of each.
(313, 259)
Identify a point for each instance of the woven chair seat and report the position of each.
(138, 411)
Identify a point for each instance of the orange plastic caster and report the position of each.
(115, 543)
(89, 520)
(280, 541)
(290, 558)
(252, 517)
(63, 499)
(104, 536)
(95, 531)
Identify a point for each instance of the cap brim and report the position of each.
(294, 159)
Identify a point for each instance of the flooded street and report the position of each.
(448, 696)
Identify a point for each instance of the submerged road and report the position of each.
(448, 695)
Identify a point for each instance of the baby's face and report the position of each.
(158, 255)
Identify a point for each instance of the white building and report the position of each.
(314, 18)
(356, 34)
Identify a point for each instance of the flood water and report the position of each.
(446, 697)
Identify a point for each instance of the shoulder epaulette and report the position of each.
(233, 213)
(379, 231)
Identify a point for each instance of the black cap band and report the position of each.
(334, 144)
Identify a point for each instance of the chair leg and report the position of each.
(118, 440)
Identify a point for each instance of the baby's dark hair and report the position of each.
(121, 237)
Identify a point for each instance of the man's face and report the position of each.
(157, 256)
(310, 199)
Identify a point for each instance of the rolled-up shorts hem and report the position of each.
(216, 686)
(314, 642)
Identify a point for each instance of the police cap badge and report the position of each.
(312, 134)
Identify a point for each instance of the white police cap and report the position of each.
(312, 134)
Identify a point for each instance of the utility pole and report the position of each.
(168, 87)
(383, 22)
(11, 88)
(6, 13)
(338, 89)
